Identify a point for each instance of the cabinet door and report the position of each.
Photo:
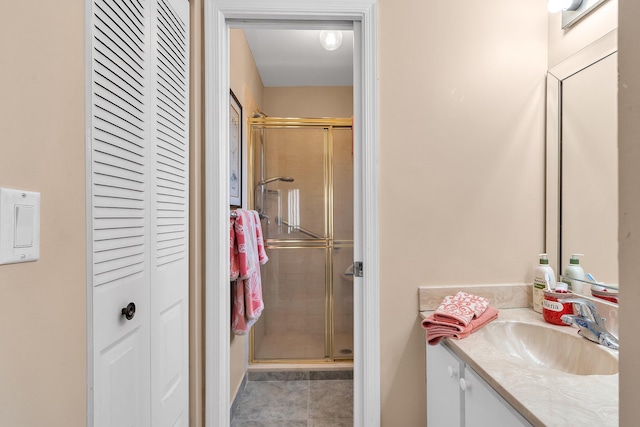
(443, 391)
(484, 407)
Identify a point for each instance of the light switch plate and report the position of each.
(19, 226)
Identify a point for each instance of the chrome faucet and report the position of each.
(591, 325)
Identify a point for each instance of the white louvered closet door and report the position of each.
(139, 188)
(170, 219)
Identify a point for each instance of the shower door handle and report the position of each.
(265, 216)
(357, 269)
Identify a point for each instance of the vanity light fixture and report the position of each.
(554, 6)
(572, 10)
(330, 40)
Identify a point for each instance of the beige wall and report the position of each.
(629, 215)
(43, 303)
(305, 102)
(461, 165)
(247, 86)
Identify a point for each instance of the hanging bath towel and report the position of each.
(234, 267)
(251, 253)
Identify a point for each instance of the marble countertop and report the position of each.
(545, 397)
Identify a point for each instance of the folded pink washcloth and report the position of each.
(436, 329)
(461, 308)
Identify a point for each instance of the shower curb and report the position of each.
(300, 375)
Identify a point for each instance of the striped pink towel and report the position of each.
(437, 330)
(250, 243)
(247, 291)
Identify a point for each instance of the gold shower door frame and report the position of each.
(329, 243)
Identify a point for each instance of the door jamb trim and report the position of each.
(366, 292)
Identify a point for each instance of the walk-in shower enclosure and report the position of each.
(301, 182)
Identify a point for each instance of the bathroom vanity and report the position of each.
(519, 370)
(458, 396)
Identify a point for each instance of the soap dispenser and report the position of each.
(574, 271)
(543, 278)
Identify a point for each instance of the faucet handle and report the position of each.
(586, 308)
(608, 340)
(589, 322)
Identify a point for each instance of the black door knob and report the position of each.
(129, 311)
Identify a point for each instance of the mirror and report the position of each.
(582, 161)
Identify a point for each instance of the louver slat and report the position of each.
(172, 138)
(119, 141)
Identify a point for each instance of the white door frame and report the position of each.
(366, 293)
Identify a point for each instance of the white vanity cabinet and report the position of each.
(458, 396)
(444, 396)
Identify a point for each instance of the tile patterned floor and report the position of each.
(295, 399)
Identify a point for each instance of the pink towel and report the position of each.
(438, 329)
(251, 253)
(234, 266)
(238, 321)
(461, 308)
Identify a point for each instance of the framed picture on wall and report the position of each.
(235, 151)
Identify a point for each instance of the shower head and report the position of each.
(276, 178)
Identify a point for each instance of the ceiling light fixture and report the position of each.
(330, 40)
(555, 6)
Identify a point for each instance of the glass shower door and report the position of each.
(342, 232)
(304, 287)
(293, 322)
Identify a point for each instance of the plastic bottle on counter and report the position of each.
(574, 271)
(543, 278)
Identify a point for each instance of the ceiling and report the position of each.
(296, 58)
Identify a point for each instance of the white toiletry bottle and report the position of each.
(574, 271)
(543, 276)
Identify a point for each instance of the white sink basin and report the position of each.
(550, 348)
